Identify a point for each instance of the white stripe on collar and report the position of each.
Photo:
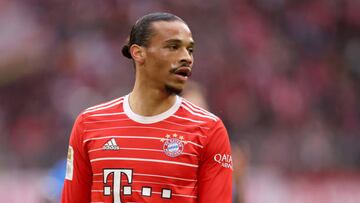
(150, 119)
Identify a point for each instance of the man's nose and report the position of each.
(187, 57)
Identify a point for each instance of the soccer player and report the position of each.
(151, 145)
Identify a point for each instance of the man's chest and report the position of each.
(148, 160)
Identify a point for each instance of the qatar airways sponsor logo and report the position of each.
(225, 160)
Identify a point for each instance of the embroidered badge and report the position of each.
(173, 145)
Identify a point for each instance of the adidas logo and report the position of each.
(111, 145)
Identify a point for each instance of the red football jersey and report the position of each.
(181, 155)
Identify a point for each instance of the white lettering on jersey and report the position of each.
(224, 159)
(116, 182)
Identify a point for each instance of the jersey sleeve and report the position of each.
(78, 178)
(215, 170)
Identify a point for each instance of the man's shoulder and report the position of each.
(105, 107)
(197, 113)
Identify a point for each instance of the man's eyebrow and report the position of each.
(177, 41)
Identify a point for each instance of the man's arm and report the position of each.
(215, 172)
(78, 178)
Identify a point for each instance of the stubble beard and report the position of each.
(173, 90)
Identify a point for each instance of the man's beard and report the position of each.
(172, 90)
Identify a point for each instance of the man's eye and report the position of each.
(173, 47)
(190, 50)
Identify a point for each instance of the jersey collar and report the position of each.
(150, 119)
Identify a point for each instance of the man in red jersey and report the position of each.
(151, 145)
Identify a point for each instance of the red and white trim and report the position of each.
(143, 160)
(198, 109)
(144, 127)
(150, 119)
(186, 107)
(104, 106)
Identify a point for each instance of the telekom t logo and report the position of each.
(117, 182)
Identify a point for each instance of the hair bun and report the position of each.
(126, 51)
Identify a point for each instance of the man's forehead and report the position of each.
(172, 30)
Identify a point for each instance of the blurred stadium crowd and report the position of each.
(284, 75)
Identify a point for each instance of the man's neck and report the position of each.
(150, 102)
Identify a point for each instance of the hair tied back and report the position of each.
(126, 51)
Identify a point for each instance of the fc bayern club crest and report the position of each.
(173, 146)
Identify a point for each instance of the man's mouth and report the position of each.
(183, 71)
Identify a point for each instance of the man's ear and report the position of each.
(138, 53)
